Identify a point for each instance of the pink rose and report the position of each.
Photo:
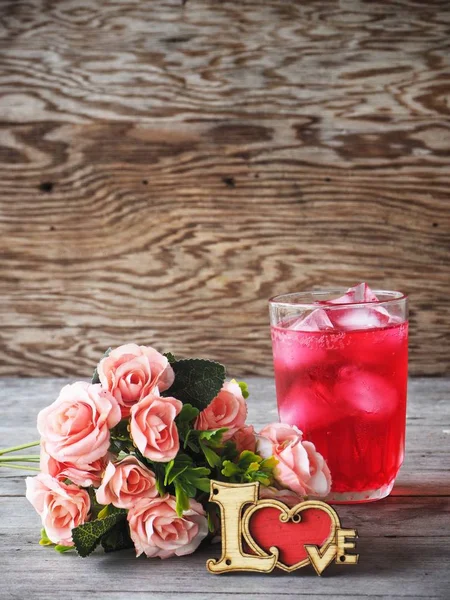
(126, 482)
(288, 497)
(228, 409)
(75, 428)
(300, 467)
(245, 438)
(131, 372)
(153, 429)
(157, 530)
(83, 475)
(61, 507)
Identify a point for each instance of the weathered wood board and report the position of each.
(165, 168)
(404, 542)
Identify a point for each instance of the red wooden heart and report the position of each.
(314, 526)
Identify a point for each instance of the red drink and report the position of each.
(345, 389)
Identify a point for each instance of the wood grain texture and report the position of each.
(164, 169)
(404, 542)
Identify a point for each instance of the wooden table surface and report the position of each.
(404, 540)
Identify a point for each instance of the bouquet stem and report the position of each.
(22, 447)
(22, 467)
(10, 461)
(20, 458)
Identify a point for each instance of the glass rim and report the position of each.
(277, 300)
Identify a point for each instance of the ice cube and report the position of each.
(317, 320)
(354, 295)
(360, 317)
(347, 318)
(365, 393)
(310, 407)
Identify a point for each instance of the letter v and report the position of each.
(320, 561)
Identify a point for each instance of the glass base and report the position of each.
(360, 497)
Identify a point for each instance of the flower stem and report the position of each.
(21, 458)
(22, 447)
(10, 466)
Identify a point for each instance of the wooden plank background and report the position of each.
(165, 168)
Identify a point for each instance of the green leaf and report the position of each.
(117, 446)
(182, 473)
(197, 381)
(45, 540)
(61, 549)
(86, 537)
(190, 443)
(108, 510)
(249, 467)
(202, 483)
(195, 477)
(229, 469)
(195, 438)
(211, 524)
(176, 466)
(95, 376)
(259, 476)
(160, 473)
(188, 487)
(170, 357)
(169, 467)
(212, 458)
(182, 499)
(194, 472)
(212, 436)
(103, 513)
(117, 538)
(184, 423)
(244, 389)
(188, 413)
(269, 463)
(205, 441)
(229, 451)
(247, 457)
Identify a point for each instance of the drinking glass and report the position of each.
(341, 378)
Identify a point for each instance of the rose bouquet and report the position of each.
(126, 461)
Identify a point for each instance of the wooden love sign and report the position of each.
(259, 535)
